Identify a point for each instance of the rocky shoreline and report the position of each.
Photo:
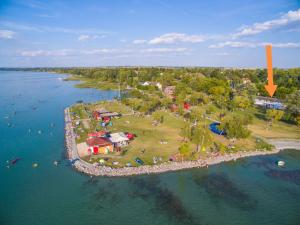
(96, 170)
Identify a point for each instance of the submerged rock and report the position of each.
(285, 175)
(220, 187)
(164, 200)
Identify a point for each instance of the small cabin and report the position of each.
(99, 145)
(101, 114)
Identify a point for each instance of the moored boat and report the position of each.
(280, 163)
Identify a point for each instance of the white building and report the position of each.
(119, 139)
(267, 102)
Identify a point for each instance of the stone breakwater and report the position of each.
(97, 170)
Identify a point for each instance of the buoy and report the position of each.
(280, 163)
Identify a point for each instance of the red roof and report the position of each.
(97, 134)
(186, 106)
(130, 136)
(98, 141)
(96, 114)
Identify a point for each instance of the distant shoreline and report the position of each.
(96, 170)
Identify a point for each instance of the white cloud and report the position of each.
(6, 34)
(34, 53)
(37, 28)
(289, 17)
(85, 37)
(233, 44)
(222, 54)
(164, 50)
(237, 44)
(284, 45)
(99, 51)
(172, 38)
(139, 41)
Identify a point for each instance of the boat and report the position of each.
(280, 163)
(14, 161)
(35, 165)
(214, 127)
(139, 161)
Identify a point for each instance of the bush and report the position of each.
(235, 126)
(262, 145)
(211, 109)
(185, 149)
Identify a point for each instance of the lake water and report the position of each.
(248, 191)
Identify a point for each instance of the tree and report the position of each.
(241, 102)
(166, 102)
(293, 106)
(158, 117)
(274, 115)
(184, 150)
(186, 131)
(235, 127)
(201, 136)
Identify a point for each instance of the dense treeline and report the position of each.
(214, 89)
(288, 80)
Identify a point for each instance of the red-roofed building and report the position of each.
(169, 91)
(97, 134)
(99, 145)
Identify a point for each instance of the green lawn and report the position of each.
(148, 137)
(278, 130)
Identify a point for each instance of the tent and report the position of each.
(95, 150)
(214, 128)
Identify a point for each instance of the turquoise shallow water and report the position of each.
(249, 191)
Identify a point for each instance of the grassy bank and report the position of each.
(92, 83)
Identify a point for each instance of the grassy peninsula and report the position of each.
(170, 110)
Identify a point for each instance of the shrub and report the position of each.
(262, 145)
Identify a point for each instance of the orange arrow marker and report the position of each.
(270, 87)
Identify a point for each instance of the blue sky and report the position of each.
(151, 33)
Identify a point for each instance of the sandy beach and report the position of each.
(98, 170)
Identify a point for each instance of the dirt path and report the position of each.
(285, 143)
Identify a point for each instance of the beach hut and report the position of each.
(119, 139)
(99, 145)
